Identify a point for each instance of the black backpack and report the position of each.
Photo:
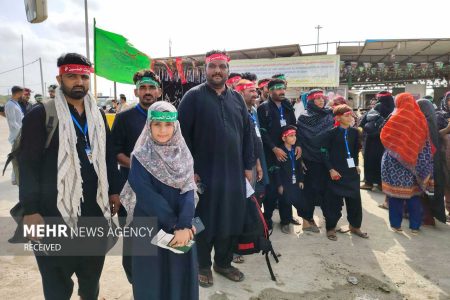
(51, 122)
(374, 123)
(255, 236)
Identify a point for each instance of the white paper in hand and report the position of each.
(250, 190)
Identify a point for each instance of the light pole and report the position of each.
(23, 65)
(42, 77)
(86, 23)
(318, 27)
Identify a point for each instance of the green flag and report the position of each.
(115, 58)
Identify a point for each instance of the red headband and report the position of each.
(233, 79)
(217, 56)
(315, 95)
(288, 132)
(383, 94)
(75, 69)
(242, 87)
(263, 84)
(346, 113)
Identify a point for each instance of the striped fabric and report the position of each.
(69, 180)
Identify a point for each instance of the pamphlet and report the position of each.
(162, 239)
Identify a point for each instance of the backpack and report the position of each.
(255, 236)
(51, 121)
(374, 123)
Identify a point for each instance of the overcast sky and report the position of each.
(198, 26)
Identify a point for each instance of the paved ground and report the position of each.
(387, 266)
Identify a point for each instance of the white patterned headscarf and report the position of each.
(171, 162)
(69, 184)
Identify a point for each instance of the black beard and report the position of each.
(78, 95)
(215, 84)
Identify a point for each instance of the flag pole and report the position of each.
(95, 63)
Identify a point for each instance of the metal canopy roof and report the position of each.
(401, 51)
(255, 53)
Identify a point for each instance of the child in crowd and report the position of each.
(290, 175)
(162, 178)
(340, 149)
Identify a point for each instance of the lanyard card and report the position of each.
(351, 162)
(258, 133)
(89, 154)
(283, 122)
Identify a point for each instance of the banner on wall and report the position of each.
(300, 71)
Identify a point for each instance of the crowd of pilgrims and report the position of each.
(231, 129)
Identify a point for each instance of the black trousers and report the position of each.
(314, 192)
(126, 259)
(270, 203)
(56, 273)
(223, 251)
(333, 210)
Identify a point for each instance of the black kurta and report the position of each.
(38, 167)
(217, 130)
(335, 157)
(125, 132)
(269, 120)
(291, 191)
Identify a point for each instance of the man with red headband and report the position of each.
(233, 80)
(72, 178)
(215, 124)
(263, 90)
(247, 90)
(274, 114)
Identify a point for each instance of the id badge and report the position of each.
(89, 154)
(258, 133)
(350, 162)
(294, 180)
(283, 122)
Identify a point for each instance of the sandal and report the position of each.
(205, 278)
(312, 228)
(366, 186)
(231, 273)
(398, 230)
(343, 229)
(383, 206)
(331, 235)
(238, 259)
(359, 233)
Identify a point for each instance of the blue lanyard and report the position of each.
(281, 112)
(139, 108)
(84, 132)
(346, 142)
(292, 157)
(253, 118)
